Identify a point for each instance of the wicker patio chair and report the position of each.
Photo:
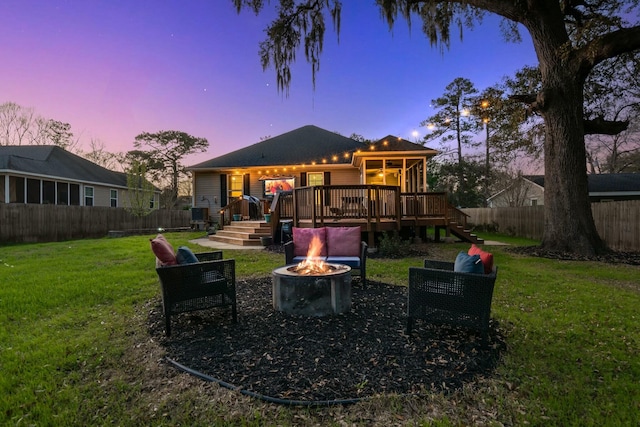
(440, 295)
(206, 284)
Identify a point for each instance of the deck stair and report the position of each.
(242, 233)
(463, 234)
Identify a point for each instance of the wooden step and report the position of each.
(235, 241)
(242, 233)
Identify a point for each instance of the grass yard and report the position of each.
(75, 349)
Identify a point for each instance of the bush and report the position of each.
(392, 246)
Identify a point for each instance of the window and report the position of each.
(48, 192)
(62, 193)
(315, 178)
(33, 191)
(534, 202)
(16, 189)
(113, 198)
(74, 194)
(235, 187)
(88, 196)
(152, 202)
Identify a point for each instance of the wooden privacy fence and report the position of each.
(618, 223)
(48, 223)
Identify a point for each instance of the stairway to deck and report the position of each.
(242, 233)
(463, 234)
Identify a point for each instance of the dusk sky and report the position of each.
(116, 68)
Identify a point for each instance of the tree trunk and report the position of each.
(568, 221)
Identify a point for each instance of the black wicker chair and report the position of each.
(440, 295)
(207, 284)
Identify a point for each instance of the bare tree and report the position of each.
(99, 155)
(22, 126)
(16, 123)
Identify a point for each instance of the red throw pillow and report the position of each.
(343, 241)
(486, 257)
(163, 251)
(302, 239)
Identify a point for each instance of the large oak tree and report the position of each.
(570, 38)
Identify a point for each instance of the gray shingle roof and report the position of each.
(604, 183)
(393, 143)
(303, 145)
(55, 162)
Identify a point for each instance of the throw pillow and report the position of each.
(302, 238)
(186, 256)
(466, 263)
(163, 251)
(486, 257)
(343, 241)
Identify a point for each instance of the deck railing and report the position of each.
(332, 202)
(365, 202)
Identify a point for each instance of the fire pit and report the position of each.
(313, 287)
(315, 294)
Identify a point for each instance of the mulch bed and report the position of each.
(325, 359)
(611, 257)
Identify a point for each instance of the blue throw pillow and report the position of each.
(466, 263)
(185, 256)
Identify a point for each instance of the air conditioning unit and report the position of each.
(199, 214)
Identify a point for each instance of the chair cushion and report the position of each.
(163, 251)
(302, 239)
(351, 261)
(466, 263)
(186, 256)
(486, 257)
(343, 241)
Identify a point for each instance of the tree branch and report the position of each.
(605, 47)
(604, 127)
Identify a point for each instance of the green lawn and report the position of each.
(75, 350)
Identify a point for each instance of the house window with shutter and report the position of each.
(235, 187)
(315, 178)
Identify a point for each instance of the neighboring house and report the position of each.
(529, 190)
(46, 174)
(308, 156)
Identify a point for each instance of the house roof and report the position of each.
(303, 145)
(604, 183)
(55, 162)
(394, 143)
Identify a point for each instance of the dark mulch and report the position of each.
(358, 354)
(611, 257)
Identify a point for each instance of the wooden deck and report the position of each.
(374, 208)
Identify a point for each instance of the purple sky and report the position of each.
(116, 68)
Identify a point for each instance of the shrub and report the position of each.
(392, 246)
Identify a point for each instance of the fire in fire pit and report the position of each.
(313, 264)
(313, 287)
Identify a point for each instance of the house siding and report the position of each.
(207, 186)
(520, 196)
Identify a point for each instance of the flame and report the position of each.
(313, 264)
